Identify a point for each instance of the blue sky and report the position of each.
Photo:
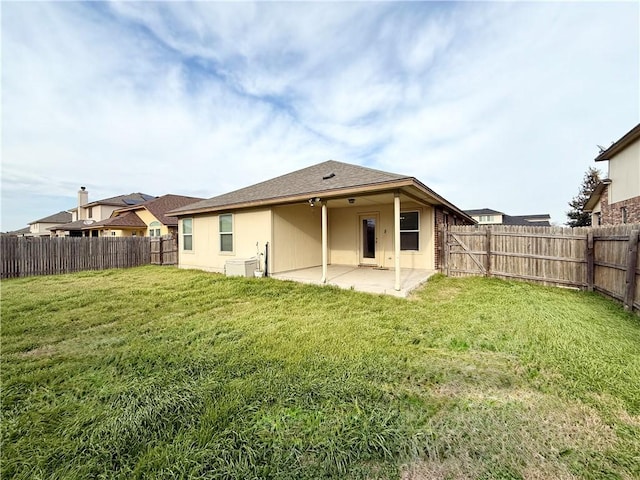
(495, 105)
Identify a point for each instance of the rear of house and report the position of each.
(329, 213)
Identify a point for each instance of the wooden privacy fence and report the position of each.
(604, 259)
(23, 257)
(164, 250)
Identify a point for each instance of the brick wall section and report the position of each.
(442, 217)
(611, 214)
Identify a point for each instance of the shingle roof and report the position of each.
(127, 219)
(161, 205)
(60, 217)
(541, 220)
(21, 231)
(483, 211)
(123, 200)
(316, 179)
(77, 225)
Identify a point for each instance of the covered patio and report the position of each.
(362, 279)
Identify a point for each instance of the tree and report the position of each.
(577, 216)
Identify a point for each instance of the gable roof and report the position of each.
(327, 179)
(127, 220)
(627, 139)
(161, 205)
(58, 218)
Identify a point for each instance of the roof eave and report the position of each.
(373, 187)
(627, 139)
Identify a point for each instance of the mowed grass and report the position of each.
(156, 372)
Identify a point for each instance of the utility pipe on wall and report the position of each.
(396, 236)
(325, 256)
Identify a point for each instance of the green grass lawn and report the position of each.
(156, 372)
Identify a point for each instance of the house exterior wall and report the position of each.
(344, 236)
(297, 238)
(249, 227)
(40, 229)
(624, 172)
(116, 232)
(147, 217)
(496, 219)
(611, 213)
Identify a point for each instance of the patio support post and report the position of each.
(396, 236)
(325, 256)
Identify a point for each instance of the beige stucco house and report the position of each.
(147, 219)
(616, 200)
(40, 228)
(330, 213)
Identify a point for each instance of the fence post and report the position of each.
(446, 255)
(488, 272)
(590, 262)
(632, 263)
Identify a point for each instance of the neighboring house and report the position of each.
(145, 219)
(616, 199)
(87, 212)
(486, 216)
(23, 232)
(329, 213)
(40, 228)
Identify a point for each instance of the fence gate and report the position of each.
(164, 250)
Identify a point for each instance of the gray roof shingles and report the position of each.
(312, 180)
(58, 218)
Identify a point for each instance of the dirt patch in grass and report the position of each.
(508, 433)
(39, 352)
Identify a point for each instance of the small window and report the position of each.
(90, 212)
(187, 234)
(226, 232)
(409, 231)
(486, 218)
(623, 211)
(154, 229)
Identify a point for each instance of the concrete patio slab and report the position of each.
(362, 279)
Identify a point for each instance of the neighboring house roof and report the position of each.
(159, 207)
(536, 220)
(60, 217)
(595, 196)
(77, 225)
(126, 220)
(541, 220)
(121, 200)
(627, 139)
(326, 178)
(482, 211)
(22, 231)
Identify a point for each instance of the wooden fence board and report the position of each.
(28, 256)
(604, 259)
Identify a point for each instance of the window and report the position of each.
(486, 218)
(187, 234)
(623, 211)
(154, 229)
(409, 231)
(226, 232)
(90, 212)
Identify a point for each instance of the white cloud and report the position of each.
(493, 105)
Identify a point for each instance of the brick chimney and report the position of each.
(83, 199)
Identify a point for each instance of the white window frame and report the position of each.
(486, 218)
(410, 231)
(221, 233)
(190, 234)
(155, 229)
